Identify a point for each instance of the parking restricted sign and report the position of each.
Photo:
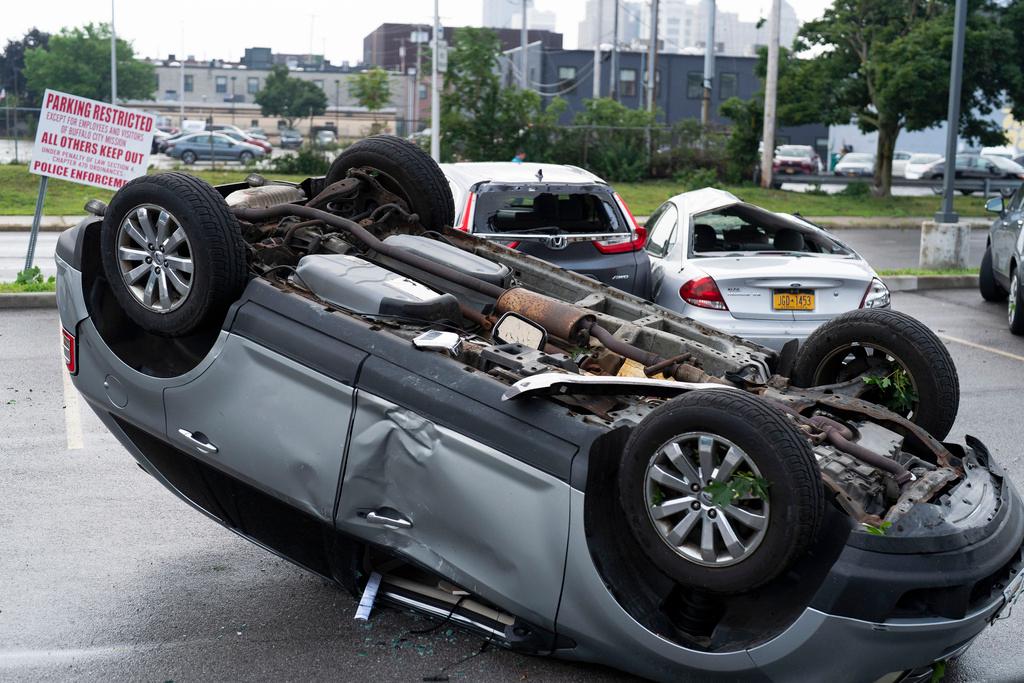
(90, 142)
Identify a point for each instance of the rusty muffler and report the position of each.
(560, 319)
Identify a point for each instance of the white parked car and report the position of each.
(918, 164)
(899, 163)
(855, 164)
(768, 277)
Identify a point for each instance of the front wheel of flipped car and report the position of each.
(173, 253)
(901, 363)
(720, 490)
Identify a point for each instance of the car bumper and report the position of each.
(771, 333)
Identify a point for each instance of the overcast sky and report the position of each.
(222, 30)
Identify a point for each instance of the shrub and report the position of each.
(308, 161)
(858, 189)
(695, 179)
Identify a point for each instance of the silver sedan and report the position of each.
(764, 276)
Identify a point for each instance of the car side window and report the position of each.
(662, 229)
(1017, 202)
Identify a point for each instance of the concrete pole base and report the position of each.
(944, 245)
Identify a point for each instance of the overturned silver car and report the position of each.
(331, 371)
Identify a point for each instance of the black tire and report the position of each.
(188, 157)
(990, 289)
(246, 157)
(914, 346)
(406, 170)
(1015, 305)
(214, 245)
(795, 496)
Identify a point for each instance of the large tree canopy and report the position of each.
(886, 63)
(77, 61)
(371, 88)
(290, 98)
(12, 64)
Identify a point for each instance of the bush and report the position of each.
(858, 189)
(308, 161)
(695, 179)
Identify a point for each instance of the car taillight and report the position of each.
(467, 214)
(876, 296)
(704, 293)
(620, 245)
(70, 347)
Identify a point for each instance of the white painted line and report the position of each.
(982, 347)
(72, 406)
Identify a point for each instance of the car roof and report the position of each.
(472, 172)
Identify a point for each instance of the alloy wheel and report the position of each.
(155, 258)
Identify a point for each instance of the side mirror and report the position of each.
(994, 205)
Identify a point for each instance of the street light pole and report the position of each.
(709, 63)
(524, 82)
(653, 55)
(597, 50)
(614, 85)
(435, 94)
(771, 89)
(113, 57)
(956, 72)
(233, 100)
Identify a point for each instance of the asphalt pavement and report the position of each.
(104, 575)
(883, 248)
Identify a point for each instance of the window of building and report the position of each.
(423, 91)
(189, 82)
(627, 82)
(252, 85)
(566, 73)
(221, 84)
(728, 85)
(695, 85)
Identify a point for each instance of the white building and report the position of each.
(509, 14)
(631, 23)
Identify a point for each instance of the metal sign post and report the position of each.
(30, 255)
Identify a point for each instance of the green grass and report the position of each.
(643, 198)
(926, 271)
(26, 287)
(18, 190)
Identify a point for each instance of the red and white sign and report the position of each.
(90, 142)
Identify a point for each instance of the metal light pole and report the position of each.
(435, 94)
(233, 100)
(956, 72)
(597, 50)
(614, 84)
(709, 63)
(181, 90)
(771, 89)
(524, 82)
(653, 55)
(113, 57)
(337, 100)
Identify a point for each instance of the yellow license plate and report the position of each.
(792, 300)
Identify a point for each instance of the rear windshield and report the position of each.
(794, 151)
(546, 208)
(746, 229)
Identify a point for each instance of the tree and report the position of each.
(747, 117)
(290, 98)
(77, 61)
(480, 120)
(886, 64)
(371, 88)
(12, 63)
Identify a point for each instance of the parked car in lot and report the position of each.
(561, 214)
(492, 441)
(290, 138)
(1000, 274)
(324, 138)
(257, 133)
(206, 146)
(248, 139)
(917, 164)
(796, 160)
(977, 167)
(899, 163)
(759, 275)
(159, 139)
(859, 164)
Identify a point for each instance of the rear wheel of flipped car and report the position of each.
(403, 169)
(172, 253)
(990, 289)
(720, 490)
(885, 357)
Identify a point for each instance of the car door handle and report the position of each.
(198, 439)
(389, 518)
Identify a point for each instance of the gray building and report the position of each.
(679, 91)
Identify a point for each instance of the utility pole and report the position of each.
(524, 82)
(956, 73)
(181, 90)
(419, 79)
(771, 90)
(614, 84)
(652, 56)
(113, 58)
(709, 62)
(435, 94)
(597, 50)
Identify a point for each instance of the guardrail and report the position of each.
(986, 185)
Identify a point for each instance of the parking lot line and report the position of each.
(982, 347)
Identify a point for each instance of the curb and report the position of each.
(915, 283)
(47, 224)
(29, 300)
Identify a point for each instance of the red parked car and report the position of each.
(796, 159)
